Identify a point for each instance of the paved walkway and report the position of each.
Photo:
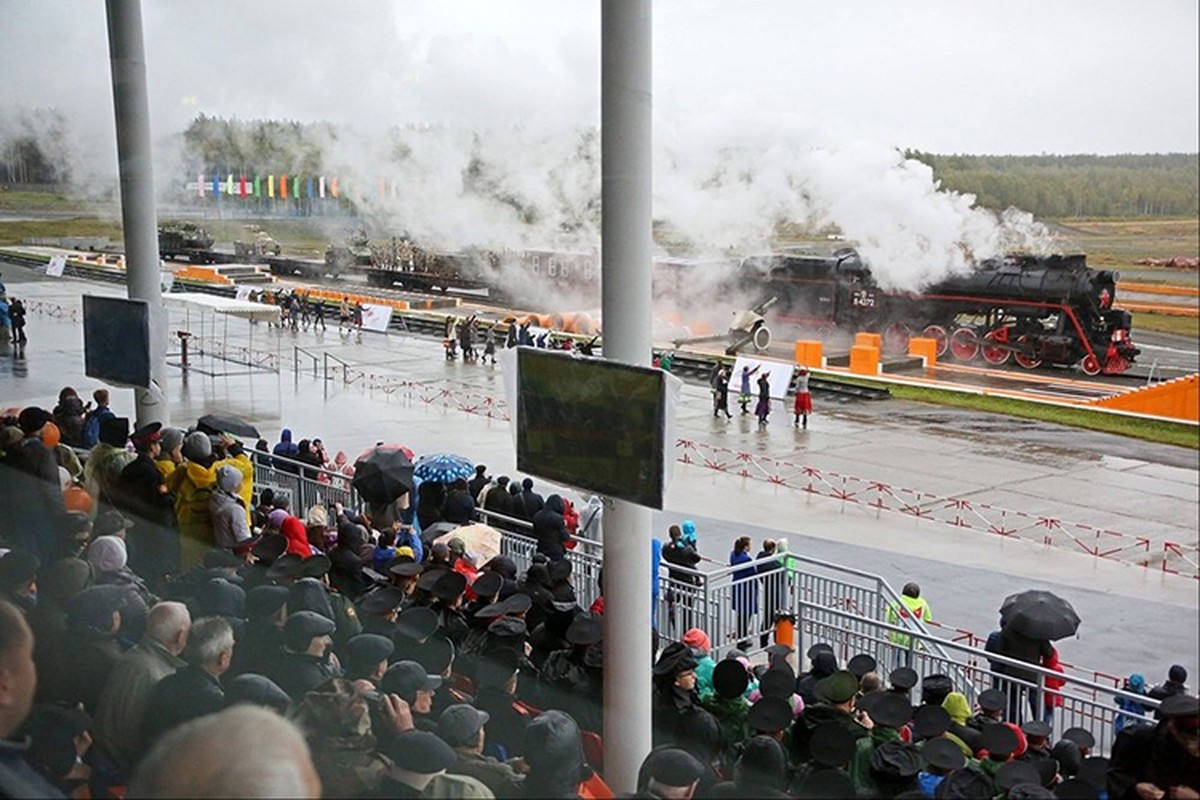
(1134, 618)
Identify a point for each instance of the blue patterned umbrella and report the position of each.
(443, 468)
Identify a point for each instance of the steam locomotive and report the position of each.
(1033, 310)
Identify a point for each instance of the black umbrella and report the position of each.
(383, 474)
(217, 424)
(1039, 615)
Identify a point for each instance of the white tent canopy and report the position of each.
(224, 305)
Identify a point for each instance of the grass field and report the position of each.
(1162, 323)
(1118, 243)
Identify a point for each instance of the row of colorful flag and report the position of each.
(279, 187)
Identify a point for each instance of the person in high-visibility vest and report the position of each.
(911, 605)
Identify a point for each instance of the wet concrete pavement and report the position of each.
(1134, 618)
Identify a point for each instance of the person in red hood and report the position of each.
(297, 536)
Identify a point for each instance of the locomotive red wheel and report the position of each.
(939, 335)
(1090, 366)
(964, 344)
(1023, 356)
(996, 354)
(895, 338)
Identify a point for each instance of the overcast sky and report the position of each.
(1020, 76)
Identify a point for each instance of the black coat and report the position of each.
(1149, 754)
(189, 693)
(154, 541)
(505, 726)
(550, 530)
(298, 673)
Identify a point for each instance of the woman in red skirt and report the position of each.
(803, 399)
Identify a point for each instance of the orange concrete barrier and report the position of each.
(864, 360)
(1175, 399)
(924, 348)
(866, 339)
(810, 353)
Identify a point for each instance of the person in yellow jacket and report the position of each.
(170, 457)
(911, 606)
(193, 482)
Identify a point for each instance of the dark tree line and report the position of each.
(1077, 185)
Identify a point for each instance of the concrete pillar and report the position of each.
(135, 161)
(625, 147)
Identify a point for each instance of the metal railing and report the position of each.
(304, 485)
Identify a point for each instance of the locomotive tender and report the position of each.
(1033, 309)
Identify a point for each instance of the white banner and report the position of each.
(779, 375)
(376, 317)
(56, 266)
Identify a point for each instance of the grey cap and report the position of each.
(460, 724)
(304, 626)
(421, 752)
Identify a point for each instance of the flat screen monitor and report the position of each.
(595, 424)
(116, 340)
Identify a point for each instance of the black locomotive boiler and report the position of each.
(1034, 310)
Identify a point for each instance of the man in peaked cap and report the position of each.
(861, 664)
(669, 772)
(730, 681)
(414, 625)
(1083, 739)
(941, 757)
(992, 703)
(1037, 745)
(285, 569)
(379, 609)
(837, 707)
(154, 552)
(901, 680)
(1015, 773)
(889, 712)
(306, 660)
(770, 716)
(463, 728)
(1149, 761)
(420, 760)
(414, 685)
(496, 685)
(1000, 742)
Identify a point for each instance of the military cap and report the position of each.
(1047, 769)
(934, 689)
(383, 600)
(889, 709)
(930, 721)
(838, 687)
(998, 740)
(1012, 773)
(770, 714)
(304, 626)
(943, 754)
(435, 654)
(992, 700)
(257, 690)
(147, 434)
(449, 586)
(460, 724)
(367, 650)
(429, 577)
(895, 759)
(220, 598)
(491, 611)
(675, 658)
(671, 767)
(778, 681)
(586, 629)
(508, 628)
(417, 622)
(832, 745)
(314, 567)
(504, 565)
(406, 678)
(33, 419)
(1180, 706)
(1094, 772)
(219, 558)
(903, 678)
(861, 664)
(778, 652)
(517, 603)
(92, 608)
(269, 548)
(421, 752)
(496, 668)
(817, 648)
(560, 570)
(405, 568)
(965, 783)
(488, 584)
(114, 431)
(285, 567)
(826, 783)
(1031, 791)
(1067, 754)
(262, 601)
(111, 523)
(1082, 737)
(763, 761)
(17, 568)
(730, 679)
(1036, 728)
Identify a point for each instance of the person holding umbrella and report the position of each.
(1029, 621)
